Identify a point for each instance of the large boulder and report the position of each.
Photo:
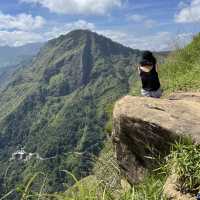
(145, 127)
(189, 96)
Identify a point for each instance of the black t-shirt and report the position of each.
(150, 80)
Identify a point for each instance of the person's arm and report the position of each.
(138, 67)
(156, 67)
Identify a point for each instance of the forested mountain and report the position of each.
(14, 58)
(7, 73)
(10, 56)
(55, 107)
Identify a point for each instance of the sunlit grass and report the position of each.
(183, 162)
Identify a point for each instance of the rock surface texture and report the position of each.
(171, 192)
(144, 127)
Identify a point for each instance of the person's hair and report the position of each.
(147, 58)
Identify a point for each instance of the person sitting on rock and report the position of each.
(148, 73)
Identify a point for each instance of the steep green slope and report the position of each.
(7, 73)
(181, 70)
(15, 55)
(55, 107)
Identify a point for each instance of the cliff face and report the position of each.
(146, 127)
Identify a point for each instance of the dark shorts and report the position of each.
(154, 94)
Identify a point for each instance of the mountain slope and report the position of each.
(7, 73)
(181, 70)
(55, 107)
(14, 55)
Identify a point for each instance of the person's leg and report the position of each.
(145, 93)
(156, 94)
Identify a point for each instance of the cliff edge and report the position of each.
(146, 127)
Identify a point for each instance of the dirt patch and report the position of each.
(171, 192)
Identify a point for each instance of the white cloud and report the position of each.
(182, 39)
(157, 42)
(136, 18)
(162, 41)
(21, 22)
(18, 38)
(77, 6)
(143, 20)
(64, 29)
(21, 37)
(189, 12)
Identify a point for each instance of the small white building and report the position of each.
(19, 155)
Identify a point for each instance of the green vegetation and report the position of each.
(56, 107)
(181, 70)
(103, 184)
(183, 162)
(60, 106)
(109, 112)
(12, 56)
(150, 189)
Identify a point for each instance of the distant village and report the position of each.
(22, 155)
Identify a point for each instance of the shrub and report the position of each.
(183, 162)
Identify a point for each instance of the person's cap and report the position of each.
(147, 58)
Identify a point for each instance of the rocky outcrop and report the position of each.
(145, 127)
(189, 96)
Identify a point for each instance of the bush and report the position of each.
(181, 72)
(183, 162)
(150, 189)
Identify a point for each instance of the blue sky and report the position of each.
(143, 24)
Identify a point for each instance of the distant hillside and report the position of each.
(7, 73)
(55, 107)
(181, 70)
(14, 55)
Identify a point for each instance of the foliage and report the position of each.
(56, 107)
(104, 184)
(150, 189)
(109, 123)
(59, 106)
(183, 162)
(181, 70)
(106, 169)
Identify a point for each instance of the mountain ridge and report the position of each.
(56, 105)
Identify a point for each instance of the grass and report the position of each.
(150, 189)
(91, 189)
(183, 162)
(104, 184)
(180, 71)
